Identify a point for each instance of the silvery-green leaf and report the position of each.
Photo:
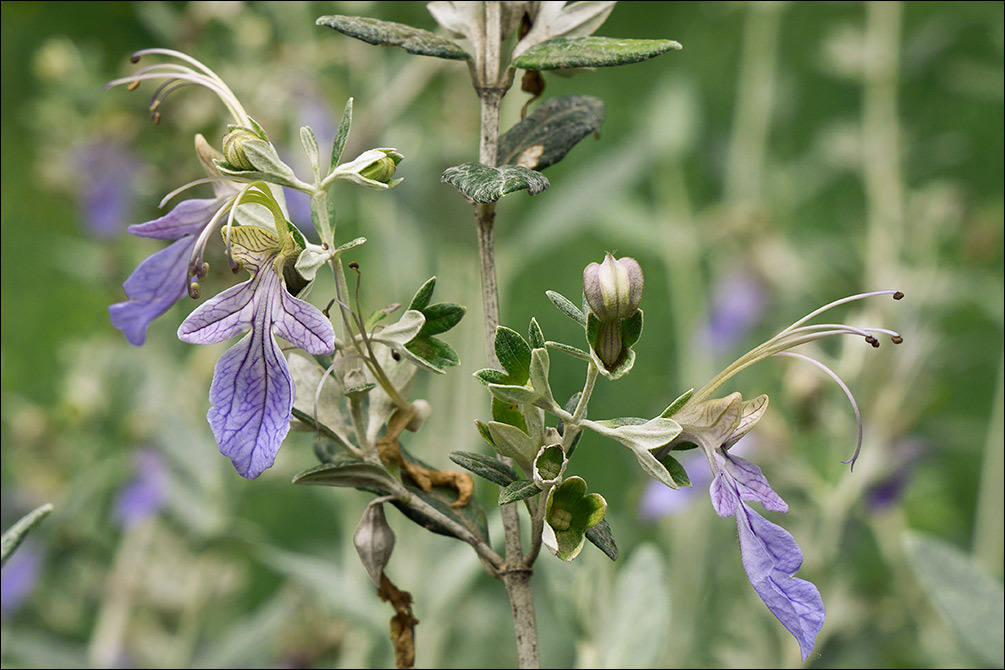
(652, 434)
(353, 474)
(602, 537)
(539, 367)
(269, 167)
(434, 351)
(575, 352)
(516, 394)
(513, 442)
(16, 533)
(490, 468)
(374, 541)
(341, 135)
(564, 19)
(639, 616)
(402, 332)
(422, 297)
(566, 307)
(484, 184)
(576, 52)
(387, 33)
(491, 376)
(534, 335)
(518, 490)
(513, 353)
(509, 413)
(310, 145)
(548, 133)
(967, 598)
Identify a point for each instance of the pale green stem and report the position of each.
(988, 538)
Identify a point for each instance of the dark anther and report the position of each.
(324, 245)
(235, 266)
(325, 310)
(896, 339)
(872, 340)
(193, 290)
(395, 355)
(898, 295)
(133, 85)
(134, 59)
(354, 265)
(202, 271)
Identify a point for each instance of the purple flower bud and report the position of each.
(613, 289)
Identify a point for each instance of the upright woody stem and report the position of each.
(490, 85)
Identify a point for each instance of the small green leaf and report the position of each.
(483, 430)
(16, 533)
(512, 442)
(341, 135)
(540, 364)
(515, 394)
(566, 307)
(389, 34)
(487, 467)
(534, 335)
(508, 413)
(491, 376)
(676, 470)
(602, 537)
(546, 135)
(441, 317)
(422, 297)
(484, 184)
(631, 329)
(405, 330)
(310, 145)
(518, 490)
(353, 474)
(434, 351)
(513, 353)
(677, 404)
(575, 352)
(574, 52)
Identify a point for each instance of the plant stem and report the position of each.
(490, 86)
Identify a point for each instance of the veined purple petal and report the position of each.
(153, 287)
(770, 558)
(751, 483)
(225, 315)
(188, 217)
(303, 324)
(252, 391)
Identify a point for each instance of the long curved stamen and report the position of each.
(847, 391)
(192, 184)
(195, 263)
(897, 295)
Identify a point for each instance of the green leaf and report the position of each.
(534, 335)
(434, 352)
(575, 352)
(16, 533)
(573, 52)
(514, 394)
(422, 297)
(676, 470)
(269, 166)
(546, 135)
(389, 34)
(639, 613)
(491, 376)
(677, 404)
(508, 413)
(341, 135)
(513, 442)
(310, 145)
(968, 599)
(353, 474)
(566, 307)
(484, 184)
(602, 537)
(513, 353)
(631, 329)
(483, 430)
(441, 317)
(487, 467)
(518, 490)
(540, 364)
(398, 334)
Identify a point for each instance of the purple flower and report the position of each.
(252, 390)
(145, 494)
(105, 197)
(769, 552)
(19, 577)
(737, 306)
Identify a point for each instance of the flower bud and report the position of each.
(373, 169)
(382, 169)
(613, 289)
(233, 147)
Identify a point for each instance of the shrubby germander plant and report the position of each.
(347, 372)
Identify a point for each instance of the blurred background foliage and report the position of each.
(791, 154)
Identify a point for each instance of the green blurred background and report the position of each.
(789, 155)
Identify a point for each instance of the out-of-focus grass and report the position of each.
(791, 153)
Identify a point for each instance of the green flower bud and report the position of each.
(233, 147)
(382, 169)
(613, 289)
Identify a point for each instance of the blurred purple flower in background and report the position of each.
(888, 491)
(145, 494)
(19, 577)
(312, 111)
(738, 302)
(105, 194)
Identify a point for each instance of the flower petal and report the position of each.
(303, 324)
(156, 284)
(223, 316)
(751, 484)
(188, 217)
(770, 558)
